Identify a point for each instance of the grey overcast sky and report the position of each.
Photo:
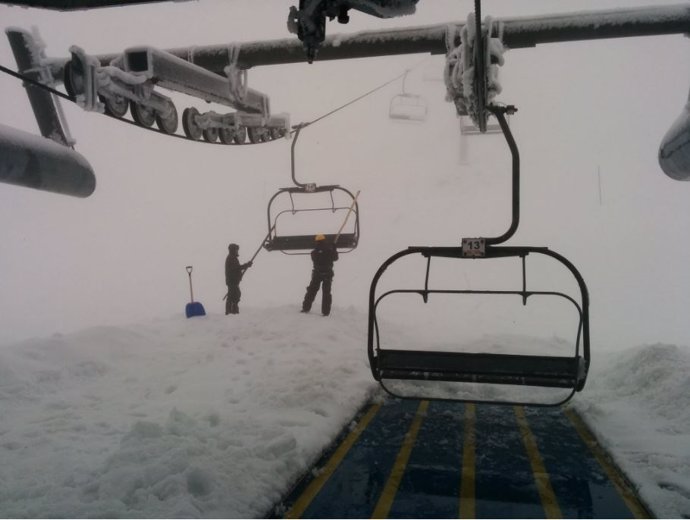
(591, 116)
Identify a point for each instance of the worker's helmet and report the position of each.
(319, 237)
(233, 247)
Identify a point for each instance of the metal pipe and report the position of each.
(518, 32)
(499, 113)
(37, 162)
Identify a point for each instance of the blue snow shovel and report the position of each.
(193, 308)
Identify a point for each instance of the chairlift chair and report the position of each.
(565, 372)
(408, 107)
(279, 213)
(279, 216)
(560, 372)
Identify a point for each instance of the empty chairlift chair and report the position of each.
(428, 364)
(297, 214)
(408, 107)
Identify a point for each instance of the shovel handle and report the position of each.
(191, 291)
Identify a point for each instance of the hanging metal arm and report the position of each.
(308, 187)
(499, 113)
(476, 247)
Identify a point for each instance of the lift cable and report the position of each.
(35, 83)
(375, 89)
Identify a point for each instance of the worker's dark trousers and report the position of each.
(233, 300)
(323, 280)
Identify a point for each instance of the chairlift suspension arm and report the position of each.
(499, 113)
(425, 295)
(305, 186)
(524, 279)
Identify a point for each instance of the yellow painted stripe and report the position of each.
(467, 484)
(315, 485)
(383, 506)
(541, 477)
(624, 489)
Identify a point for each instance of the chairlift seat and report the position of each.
(306, 242)
(507, 369)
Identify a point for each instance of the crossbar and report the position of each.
(297, 242)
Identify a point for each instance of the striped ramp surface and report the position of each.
(440, 459)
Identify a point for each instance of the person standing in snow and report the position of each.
(322, 257)
(233, 275)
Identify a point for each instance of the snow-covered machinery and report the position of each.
(308, 21)
(475, 52)
(132, 81)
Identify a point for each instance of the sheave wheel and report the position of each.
(189, 125)
(240, 135)
(143, 116)
(168, 124)
(115, 106)
(254, 134)
(226, 135)
(211, 134)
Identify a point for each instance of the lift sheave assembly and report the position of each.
(390, 365)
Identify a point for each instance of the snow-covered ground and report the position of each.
(217, 416)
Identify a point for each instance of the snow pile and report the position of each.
(211, 416)
(218, 416)
(638, 404)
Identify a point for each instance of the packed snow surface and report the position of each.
(218, 416)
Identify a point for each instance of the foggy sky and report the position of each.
(590, 114)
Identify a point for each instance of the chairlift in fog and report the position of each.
(298, 213)
(406, 106)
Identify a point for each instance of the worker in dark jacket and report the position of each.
(322, 256)
(233, 274)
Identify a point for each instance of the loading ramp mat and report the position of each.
(441, 459)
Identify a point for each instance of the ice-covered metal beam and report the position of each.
(42, 164)
(74, 5)
(517, 33)
(174, 73)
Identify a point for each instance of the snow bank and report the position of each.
(218, 416)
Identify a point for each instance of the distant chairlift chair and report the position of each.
(304, 243)
(408, 107)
